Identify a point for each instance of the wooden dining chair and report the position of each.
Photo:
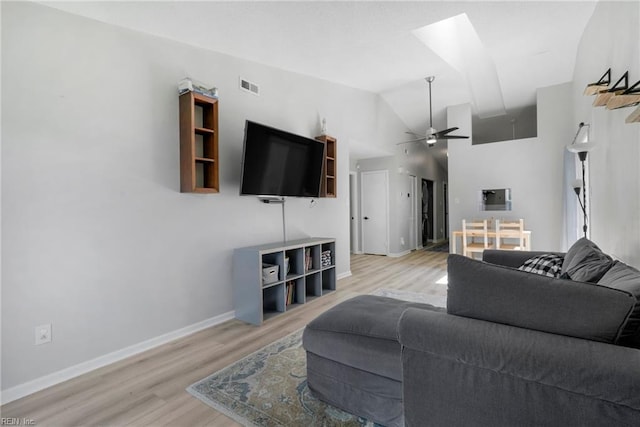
(475, 237)
(512, 230)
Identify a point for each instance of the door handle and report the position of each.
(366, 217)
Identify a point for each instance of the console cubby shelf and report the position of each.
(304, 274)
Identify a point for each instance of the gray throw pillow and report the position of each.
(585, 262)
(626, 278)
(546, 264)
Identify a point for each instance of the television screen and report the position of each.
(279, 163)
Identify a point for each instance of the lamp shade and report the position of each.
(576, 185)
(581, 147)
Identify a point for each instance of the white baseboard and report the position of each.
(47, 381)
(399, 254)
(343, 275)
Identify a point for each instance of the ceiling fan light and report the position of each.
(431, 140)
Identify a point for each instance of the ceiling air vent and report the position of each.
(247, 86)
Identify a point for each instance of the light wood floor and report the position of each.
(149, 389)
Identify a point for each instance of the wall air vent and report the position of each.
(247, 86)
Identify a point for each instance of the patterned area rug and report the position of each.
(269, 387)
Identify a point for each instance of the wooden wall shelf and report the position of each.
(329, 182)
(199, 168)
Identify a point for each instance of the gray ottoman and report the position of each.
(353, 357)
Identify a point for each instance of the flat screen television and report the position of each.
(279, 163)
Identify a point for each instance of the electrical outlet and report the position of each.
(43, 334)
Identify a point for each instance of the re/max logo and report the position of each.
(14, 421)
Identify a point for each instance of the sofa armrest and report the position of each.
(511, 258)
(461, 371)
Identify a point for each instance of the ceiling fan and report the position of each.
(432, 135)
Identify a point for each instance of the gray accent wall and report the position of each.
(96, 237)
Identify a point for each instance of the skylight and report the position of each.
(456, 42)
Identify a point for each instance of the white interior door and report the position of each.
(375, 208)
(353, 212)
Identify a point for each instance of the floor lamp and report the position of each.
(580, 185)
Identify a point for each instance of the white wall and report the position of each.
(531, 167)
(97, 239)
(611, 40)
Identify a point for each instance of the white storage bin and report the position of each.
(269, 273)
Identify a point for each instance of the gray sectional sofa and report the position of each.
(513, 348)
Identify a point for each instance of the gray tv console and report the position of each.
(308, 277)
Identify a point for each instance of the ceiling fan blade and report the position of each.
(414, 134)
(412, 140)
(446, 131)
(452, 137)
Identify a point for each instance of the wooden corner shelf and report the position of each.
(199, 170)
(328, 185)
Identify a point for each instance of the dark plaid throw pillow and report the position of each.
(547, 265)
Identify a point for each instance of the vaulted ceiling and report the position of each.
(518, 47)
